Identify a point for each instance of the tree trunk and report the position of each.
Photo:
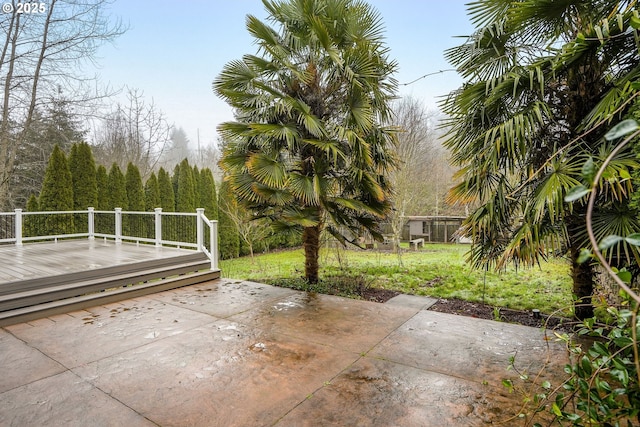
(582, 276)
(311, 244)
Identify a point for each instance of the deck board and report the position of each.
(36, 260)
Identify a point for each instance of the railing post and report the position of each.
(118, 213)
(91, 228)
(199, 229)
(18, 225)
(158, 222)
(213, 248)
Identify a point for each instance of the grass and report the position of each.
(436, 270)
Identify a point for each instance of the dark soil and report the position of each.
(484, 311)
(377, 295)
(481, 311)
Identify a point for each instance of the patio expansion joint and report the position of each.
(65, 368)
(363, 355)
(111, 396)
(326, 383)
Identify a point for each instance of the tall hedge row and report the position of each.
(77, 183)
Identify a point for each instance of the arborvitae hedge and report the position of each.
(151, 193)
(103, 224)
(167, 196)
(102, 182)
(185, 196)
(57, 194)
(135, 190)
(117, 189)
(228, 236)
(208, 198)
(195, 174)
(174, 184)
(185, 200)
(134, 225)
(83, 174)
(78, 184)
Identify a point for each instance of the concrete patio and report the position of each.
(233, 353)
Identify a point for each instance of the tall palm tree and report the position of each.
(545, 79)
(307, 149)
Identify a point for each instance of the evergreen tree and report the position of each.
(152, 193)
(185, 195)
(196, 186)
(103, 224)
(83, 175)
(117, 189)
(58, 124)
(167, 203)
(167, 196)
(228, 235)
(174, 183)
(151, 202)
(57, 194)
(102, 183)
(207, 198)
(185, 199)
(135, 190)
(134, 225)
(85, 189)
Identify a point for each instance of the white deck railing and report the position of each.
(179, 229)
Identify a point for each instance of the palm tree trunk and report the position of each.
(582, 276)
(311, 244)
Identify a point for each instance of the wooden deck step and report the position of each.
(98, 273)
(31, 299)
(26, 314)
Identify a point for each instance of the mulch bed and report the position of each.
(480, 311)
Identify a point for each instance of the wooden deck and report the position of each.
(44, 279)
(38, 260)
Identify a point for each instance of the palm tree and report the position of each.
(544, 82)
(307, 149)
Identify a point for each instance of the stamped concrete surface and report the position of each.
(237, 353)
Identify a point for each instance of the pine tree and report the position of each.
(117, 189)
(208, 198)
(167, 196)
(228, 236)
(54, 123)
(57, 194)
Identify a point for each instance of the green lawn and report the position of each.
(436, 270)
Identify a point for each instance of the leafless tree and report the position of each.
(424, 174)
(251, 229)
(136, 132)
(41, 54)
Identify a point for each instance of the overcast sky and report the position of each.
(173, 51)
